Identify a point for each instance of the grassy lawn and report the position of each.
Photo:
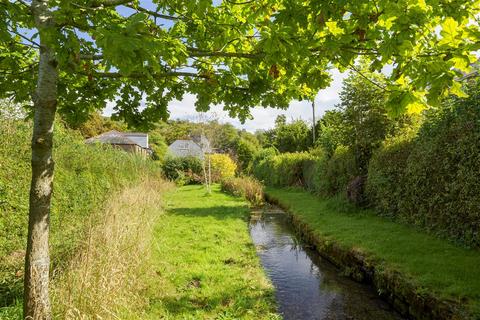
(434, 264)
(204, 264)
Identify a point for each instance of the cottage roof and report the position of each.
(116, 137)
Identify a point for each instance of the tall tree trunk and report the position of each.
(37, 260)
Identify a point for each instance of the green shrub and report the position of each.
(433, 181)
(442, 176)
(309, 172)
(183, 170)
(331, 176)
(85, 176)
(247, 187)
(282, 170)
(263, 154)
(385, 174)
(245, 151)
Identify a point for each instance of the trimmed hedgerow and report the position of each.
(317, 173)
(334, 174)
(385, 174)
(330, 176)
(442, 178)
(282, 170)
(433, 181)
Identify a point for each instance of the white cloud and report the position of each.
(263, 118)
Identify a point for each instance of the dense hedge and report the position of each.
(385, 174)
(313, 171)
(85, 175)
(434, 180)
(333, 175)
(429, 177)
(183, 170)
(442, 177)
(282, 170)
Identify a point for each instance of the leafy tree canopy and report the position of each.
(239, 53)
(289, 137)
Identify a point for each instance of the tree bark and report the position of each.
(37, 261)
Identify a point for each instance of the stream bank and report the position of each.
(403, 292)
(308, 287)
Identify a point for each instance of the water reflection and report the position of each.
(308, 287)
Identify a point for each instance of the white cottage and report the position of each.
(197, 146)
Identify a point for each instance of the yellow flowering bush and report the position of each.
(222, 167)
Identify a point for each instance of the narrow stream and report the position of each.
(308, 287)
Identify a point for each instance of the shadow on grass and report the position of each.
(217, 212)
(237, 300)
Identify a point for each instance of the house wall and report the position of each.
(141, 140)
(185, 148)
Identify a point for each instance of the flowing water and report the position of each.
(308, 287)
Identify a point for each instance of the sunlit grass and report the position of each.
(204, 264)
(434, 264)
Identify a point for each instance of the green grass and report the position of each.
(434, 264)
(204, 264)
(85, 177)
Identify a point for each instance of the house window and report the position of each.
(184, 146)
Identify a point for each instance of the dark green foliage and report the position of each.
(434, 180)
(183, 170)
(356, 191)
(310, 171)
(285, 169)
(385, 173)
(442, 177)
(333, 175)
(245, 152)
(246, 187)
(85, 176)
(330, 131)
(295, 136)
(365, 121)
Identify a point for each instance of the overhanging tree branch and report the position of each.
(156, 14)
(193, 52)
(137, 75)
(109, 3)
